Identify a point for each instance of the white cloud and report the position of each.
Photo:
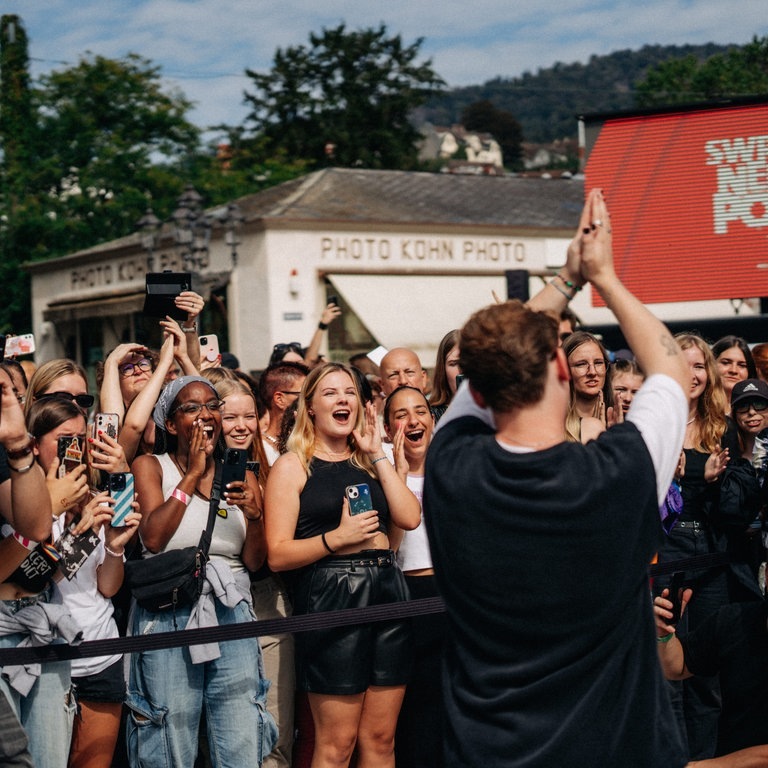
(204, 46)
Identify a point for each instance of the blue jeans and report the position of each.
(166, 694)
(47, 712)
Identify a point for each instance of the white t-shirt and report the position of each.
(414, 551)
(92, 611)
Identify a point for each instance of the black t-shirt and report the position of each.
(321, 499)
(734, 643)
(542, 561)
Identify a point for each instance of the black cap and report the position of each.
(749, 389)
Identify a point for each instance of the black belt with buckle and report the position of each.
(368, 558)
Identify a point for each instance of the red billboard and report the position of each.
(688, 195)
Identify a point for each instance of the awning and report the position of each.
(416, 311)
(105, 305)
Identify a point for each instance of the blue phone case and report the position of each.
(359, 497)
(123, 500)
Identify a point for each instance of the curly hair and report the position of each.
(505, 351)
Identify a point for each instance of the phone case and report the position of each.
(106, 423)
(123, 498)
(19, 345)
(233, 467)
(209, 348)
(70, 453)
(359, 497)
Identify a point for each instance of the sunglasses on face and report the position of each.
(84, 401)
(192, 409)
(128, 369)
(757, 405)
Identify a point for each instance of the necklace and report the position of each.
(271, 439)
(336, 455)
(691, 420)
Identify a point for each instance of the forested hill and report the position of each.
(546, 103)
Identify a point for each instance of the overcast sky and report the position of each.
(204, 46)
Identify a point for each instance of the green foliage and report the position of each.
(736, 72)
(547, 103)
(485, 116)
(344, 100)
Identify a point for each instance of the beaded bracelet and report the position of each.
(112, 551)
(557, 287)
(381, 458)
(570, 284)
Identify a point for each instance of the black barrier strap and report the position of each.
(290, 624)
(303, 623)
(695, 563)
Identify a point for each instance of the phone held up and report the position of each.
(107, 424)
(69, 449)
(232, 468)
(121, 489)
(359, 498)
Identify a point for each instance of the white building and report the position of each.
(410, 256)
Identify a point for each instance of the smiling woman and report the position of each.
(343, 560)
(175, 489)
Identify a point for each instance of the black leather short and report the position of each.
(347, 660)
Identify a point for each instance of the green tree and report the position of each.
(740, 71)
(484, 116)
(344, 100)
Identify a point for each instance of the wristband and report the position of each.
(575, 288)
(666, 638)
(22, 470)
(381, 458)
(20, 453)
(28, 544)
(189, 328)
(184, 498)
(113, 553)
(322, 326)
(326, 544)
(557, 287)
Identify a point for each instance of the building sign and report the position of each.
(688, 193)
(417, 250)
(122, 273)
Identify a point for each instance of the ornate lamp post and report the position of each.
(149, 227)
(192, 230)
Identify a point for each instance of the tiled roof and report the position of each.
(403, 197)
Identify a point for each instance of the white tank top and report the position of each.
(228, 530)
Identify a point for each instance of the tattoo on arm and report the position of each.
(669, 344)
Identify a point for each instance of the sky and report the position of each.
(204, 46)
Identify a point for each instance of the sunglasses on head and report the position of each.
(291, 345)
(83, 401)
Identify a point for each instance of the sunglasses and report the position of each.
(84, 401)
(291, 345)
(757, 405)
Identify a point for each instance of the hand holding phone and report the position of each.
(69, 449)
(359, 498)
(121, 489)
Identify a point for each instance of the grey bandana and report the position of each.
(170, 393)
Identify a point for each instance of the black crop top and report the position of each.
(323, 495)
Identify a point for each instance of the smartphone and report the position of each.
(359, 497)
(120, 487)
(69, 449)
(333, 300)
(233, 467)
(19, 345)
(459, 378)
(106, 423)
(209, 348)
(253, 466)
(676, 588)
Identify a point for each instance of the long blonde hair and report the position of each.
(302, 440)
(710, 408)
(47, 374)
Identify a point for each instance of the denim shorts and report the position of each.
(105, 687)
(347, 660)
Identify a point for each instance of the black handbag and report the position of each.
(172, 579)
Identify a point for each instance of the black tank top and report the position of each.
(320, 501)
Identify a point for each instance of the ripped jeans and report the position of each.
(166, 695)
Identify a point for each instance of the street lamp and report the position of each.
(231, 220)
(191, 230)
(149, 228)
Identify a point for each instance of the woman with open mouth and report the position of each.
(354, 676)
(168, 688)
